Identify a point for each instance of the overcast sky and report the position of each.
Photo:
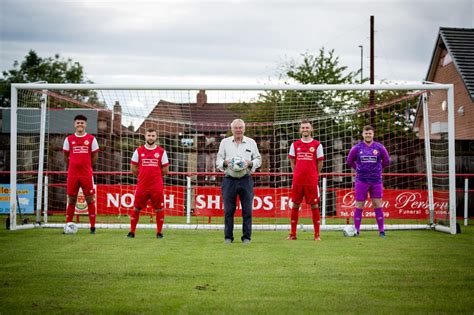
(226, 41)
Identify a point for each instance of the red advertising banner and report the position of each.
(118, 199)
(397, 204)
(272, 202)
(267, 203)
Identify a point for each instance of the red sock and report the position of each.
(294, 220)
(134, 220)
(92, 215)
(70, 212)
(316, 221)
(160, 219)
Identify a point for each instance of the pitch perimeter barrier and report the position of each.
(201, 196)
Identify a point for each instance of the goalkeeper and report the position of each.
(306, 157)
(238, 157)
(368, 158)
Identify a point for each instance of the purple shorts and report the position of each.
(361, 190)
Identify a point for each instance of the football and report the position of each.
(237, 164)
(349, 231)
(70, 228)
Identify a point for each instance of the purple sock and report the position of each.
(357, 219)
(379, 218)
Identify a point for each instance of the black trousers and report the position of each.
(231, 188)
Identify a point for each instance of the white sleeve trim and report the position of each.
(66, 145)
(164, 159)
(319, 152)
(135, 157)
(292, 150)
(95, 145)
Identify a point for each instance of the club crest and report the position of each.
(86, 142)
(311, 149)
(375, 152)
(157, 155)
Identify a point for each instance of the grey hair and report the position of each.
(235, 121)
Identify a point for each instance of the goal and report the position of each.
(192, 120)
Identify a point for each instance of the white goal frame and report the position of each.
(449, 88)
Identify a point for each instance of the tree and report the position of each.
(326, 69)
(51, 69)
(323, 68)
(340, 111)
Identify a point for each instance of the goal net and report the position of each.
(191, 122)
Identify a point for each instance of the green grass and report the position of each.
(145, 218)
(44, 271)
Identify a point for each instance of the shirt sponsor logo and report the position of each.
(80, 149)
(368, 159)
(150, 162)
(305, 156)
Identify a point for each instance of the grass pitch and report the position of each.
(44, 271)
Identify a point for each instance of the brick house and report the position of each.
(190, 132)
(452, 62)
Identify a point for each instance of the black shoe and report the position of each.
(131, 235)
(159, 235)
(92, 230)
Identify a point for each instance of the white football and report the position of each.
(70, 228)
(349, 231)
(237, 164)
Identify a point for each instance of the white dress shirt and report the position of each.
(247, 149)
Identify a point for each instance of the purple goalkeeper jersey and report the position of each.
(368, 161)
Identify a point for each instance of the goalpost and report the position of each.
(420, 183)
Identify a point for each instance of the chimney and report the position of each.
(201, 98)
(117, 118)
